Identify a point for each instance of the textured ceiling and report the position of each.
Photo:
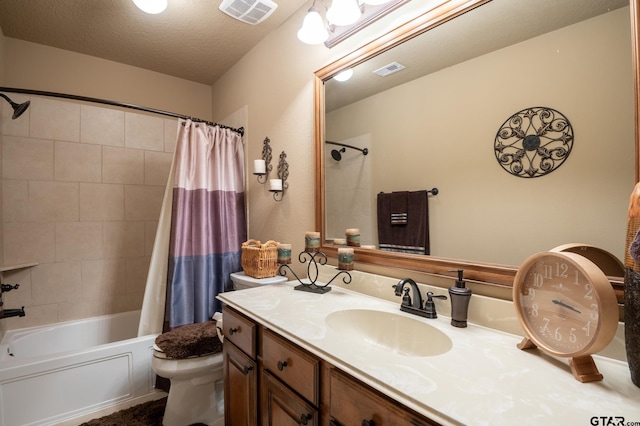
(192, 39)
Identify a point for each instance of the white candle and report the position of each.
(259, 167)
(275, 184)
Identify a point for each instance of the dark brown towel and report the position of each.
(412, 237)
(190, 340)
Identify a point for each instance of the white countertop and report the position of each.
(483, 380)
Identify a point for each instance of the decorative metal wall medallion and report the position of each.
(533, 142)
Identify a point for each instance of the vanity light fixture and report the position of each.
(278, 186)
(262, 167)
(342, 19)
(152, 7)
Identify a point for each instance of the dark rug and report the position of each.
(146, 414)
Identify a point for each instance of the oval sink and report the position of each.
(396, 333)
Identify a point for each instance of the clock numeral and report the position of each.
(594, 311)
(532, 293)
(534, 310)
(577, 280)
(538, 279)
(587, 328)
(548, 271)
(545, 327)
(589, 288)
(557, 335)
(572, 336)
(561, 270)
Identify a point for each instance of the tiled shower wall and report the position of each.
(82, 188)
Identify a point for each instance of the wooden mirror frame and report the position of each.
(487, 273)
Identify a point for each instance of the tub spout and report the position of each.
(6, 313)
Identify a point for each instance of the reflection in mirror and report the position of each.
(433, 124)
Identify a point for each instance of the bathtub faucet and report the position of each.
(6, 313)
(8, 287)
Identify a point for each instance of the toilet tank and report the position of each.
(242, 281)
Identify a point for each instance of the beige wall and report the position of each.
(34, 66)
(443, 137)
(82, 191)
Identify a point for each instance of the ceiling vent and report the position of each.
(389, 69)
(248, 11)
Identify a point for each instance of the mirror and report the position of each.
(585, 200)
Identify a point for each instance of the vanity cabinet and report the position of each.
(270, 381)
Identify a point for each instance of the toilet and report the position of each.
(242, 281)
(191, 358)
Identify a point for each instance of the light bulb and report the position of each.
(344, 75)
(313, 30)
(343, 12)
(151, 6)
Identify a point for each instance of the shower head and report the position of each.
(335, 154)
(18, 109)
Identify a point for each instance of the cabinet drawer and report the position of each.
(239, 330)
(291, 364)
(281, 406)
(353, 403)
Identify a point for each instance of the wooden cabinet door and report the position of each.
(240, 387)
(353, 403)
(280, 406)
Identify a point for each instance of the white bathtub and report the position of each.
(61, 371)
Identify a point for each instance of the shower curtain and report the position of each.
(201, 229)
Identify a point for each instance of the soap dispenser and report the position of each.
(459, 295)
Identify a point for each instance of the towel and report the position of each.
(190, 340)
(410, 237)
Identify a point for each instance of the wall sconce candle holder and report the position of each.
(263, 167)
(278, 186)
(314, 258)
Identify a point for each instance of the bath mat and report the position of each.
(146, 414)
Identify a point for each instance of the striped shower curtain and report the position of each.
(201, 229)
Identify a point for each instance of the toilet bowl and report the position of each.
(196, 392)
(242, 281)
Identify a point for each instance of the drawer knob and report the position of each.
(334, 423)
(246, 369)
(304, 418)
(233, 331)
(281, 366)
(366, 422)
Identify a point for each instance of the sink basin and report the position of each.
(393, 332)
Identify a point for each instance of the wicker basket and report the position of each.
(260, 260)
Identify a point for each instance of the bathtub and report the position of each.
(60, 371)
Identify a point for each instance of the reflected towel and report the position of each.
(412, 237)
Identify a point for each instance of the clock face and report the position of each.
(565, 304)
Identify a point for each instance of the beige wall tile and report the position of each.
(53, 201)
(170, 134)
(142, 202)
(102, 126)
(56, 283)
(27, 158)
(123, 239)
(103, 279)
(156, 167)
(101, 201)
(78, 162)
(15, 197)
(143, 132)
(54, 119)
(122, 165)
(79, 241)
(29, 242)
(137, 270)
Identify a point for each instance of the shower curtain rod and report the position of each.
(240, 130)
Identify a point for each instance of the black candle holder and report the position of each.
(314, 258)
